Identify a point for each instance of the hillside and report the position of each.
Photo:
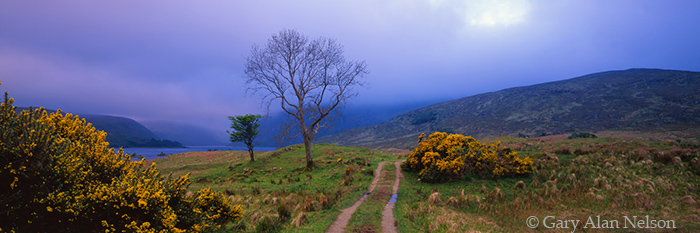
(126, 132)
(352, 116)
(635, 99)
(187, 134)
(123, 132)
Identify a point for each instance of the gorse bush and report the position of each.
(58, 175)
(439, 158)
(444, 157)
(496, 161)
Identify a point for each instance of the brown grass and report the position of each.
(434, 198)
(299, 220)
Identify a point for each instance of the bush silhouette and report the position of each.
(581, 135)
(423, 117)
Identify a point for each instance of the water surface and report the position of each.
(152, 153)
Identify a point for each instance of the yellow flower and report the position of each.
(142, 203)
(95, 179)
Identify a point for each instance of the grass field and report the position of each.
(601, 179)
(274, 191)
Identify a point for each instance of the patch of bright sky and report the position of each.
(488, 12)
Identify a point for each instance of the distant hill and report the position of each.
(635, 99)
(352, 116)
(123, 132)
(187, 134)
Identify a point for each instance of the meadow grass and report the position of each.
(613, 179)
(276, 194)
(571, 180)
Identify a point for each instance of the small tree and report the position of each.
(245, 129)
(309, 78)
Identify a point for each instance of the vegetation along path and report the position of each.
(388, 221)
(343, 218)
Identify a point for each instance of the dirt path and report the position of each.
(340, 222)
(388, 221)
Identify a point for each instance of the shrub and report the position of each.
(496, 161)
(423, 117)
(58, 175)
(283, 212)
(444, 157)
(438, 159)
(267, 224)
(563, 150)
(694, 165)
(581, 135)
(448, 129)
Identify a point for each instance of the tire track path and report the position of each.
(388, 221)
(341, 222)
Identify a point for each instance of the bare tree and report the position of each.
(308, 78)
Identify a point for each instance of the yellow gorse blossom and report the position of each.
(444, 157)
(58, 172)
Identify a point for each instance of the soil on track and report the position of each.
(388, 221)
(340, 222)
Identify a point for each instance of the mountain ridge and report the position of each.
(187, 134)
(122, 131)
(611, 100)
(352, 116)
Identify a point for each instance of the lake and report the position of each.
(152, 153)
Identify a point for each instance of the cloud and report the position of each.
(58, 83)
(184, 60)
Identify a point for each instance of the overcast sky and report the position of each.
(183, 60)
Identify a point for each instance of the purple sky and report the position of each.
(183, 60)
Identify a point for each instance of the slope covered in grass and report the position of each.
(573, 179)
(274, 191)
(123, 131)
(648, 100)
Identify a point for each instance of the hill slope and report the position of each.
(188, 134)
(351, 116)
(122, 131)
(126, 132)
(635, 99)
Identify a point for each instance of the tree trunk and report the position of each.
(250, 152)
(310, 165)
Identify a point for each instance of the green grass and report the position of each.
(277, 179)
(368, 216)
(630, 178)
